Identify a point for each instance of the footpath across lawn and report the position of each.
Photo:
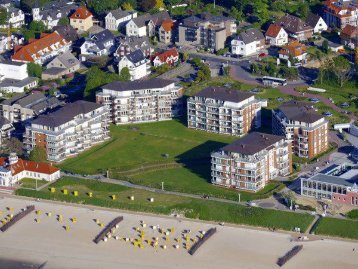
(338, 227)
(167, 204)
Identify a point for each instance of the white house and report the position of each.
(276, 35)
(293, 49)
(137, 64)
(13, 169)
(99, 44)
(170, 57)
(248, 42)
(16, 18)
(116, 18)
(18, 86)
(317, 23)
(138, 26)
(13, 70)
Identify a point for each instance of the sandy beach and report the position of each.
(47, 243)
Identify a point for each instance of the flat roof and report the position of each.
(137, 85)
(334, 180)
(224, 94)
(253, 143)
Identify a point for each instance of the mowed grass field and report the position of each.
(133, 146)
(195, 179)
(167, 204)
(338, 227)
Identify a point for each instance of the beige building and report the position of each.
(62, 65)
(224, 111)
(81, 19)
(306, 129)
(250, 162)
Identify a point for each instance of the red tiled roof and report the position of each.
(168, 25)
(24, 165)
(294, 49)
(25, 53)
(349, 30)
(169, 53)
(81, 13)
(273, 30)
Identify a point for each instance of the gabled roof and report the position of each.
(312, 19)
(168, 25)
(101, 38)
(136, 56)
(294, 24)
(119, 13)
(158, 18)
(67, 31)
(350, 30)
(250, 35)
(293, 48)
(81, 13)
(299, 111)
(224, 94)
(68, 59)
(273, 30)
(30, 52)
(141, 21)
(166, 54)
(253, 143)
(24, 165)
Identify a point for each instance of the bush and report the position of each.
(353, 214)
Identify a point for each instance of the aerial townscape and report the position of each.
(179, 134)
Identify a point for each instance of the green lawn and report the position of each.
(196, 180)
(31, 183)
(166, 204)
(132, 146)
(338, 227)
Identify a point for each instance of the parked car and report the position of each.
(263, 54)
(327, 114)
(345, 104)
(314, 100)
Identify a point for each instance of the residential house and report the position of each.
(18, 86)
(99, 44)
(26, 106)
(305, 128)
(6, 128)
(62, 65)
(295, 27)
(349, 36)
(41, 50)
(248, 42)
(206, 31)
(251, 162)
(167, 32)
(138, 26)
(69, 130)
(137, 64)
(13, 169)
(339, 13)
(317, 23)
(337, 184)
(67, 32)
(224, 111)
(276, 35)
(51, 13)
(294, 49)
(9, 42)
(16, 18)
(170, 57)
(142, 101)
(81, 19)
(115, 19)
(133, 43)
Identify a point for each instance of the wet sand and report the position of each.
(48, 244)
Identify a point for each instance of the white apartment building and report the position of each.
(224, 111)
(137, 63)
(250, 162)
(13, 70)
(16, 18)
(141, 101)
(68, 131)
(116, 18)
(306, 129)
(248, 42)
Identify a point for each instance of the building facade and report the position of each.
(68, 131)
(276, 35)
(295, 27)
(248, 42)
(116, 18)
(306, 129)
(339, 13)
(338, 183)
(137, 63)
(81, 19)
(224, 111)
(250, 162)
(141, 101)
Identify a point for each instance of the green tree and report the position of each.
(34, 70)
(38, 154)
(303, 10)
(236, 14)
(325, 46)
(37, 26)
(27, 5)
(146, 5)
(64, 21)
(342, 69)
(127, 6)
(124, 74)
(159, 4)
(185, 56)
(3, 16)
(100, 6)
